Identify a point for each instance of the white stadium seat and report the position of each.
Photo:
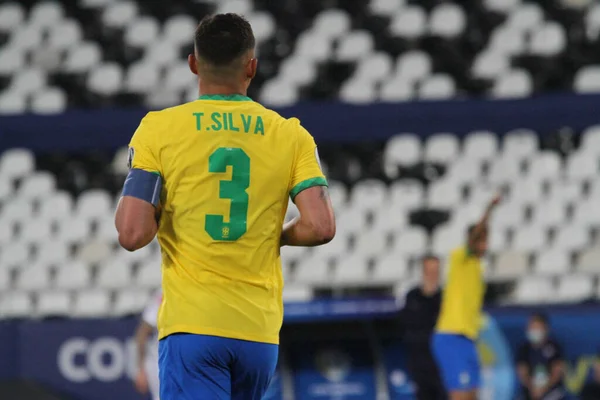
(490, 64)
(548, 40)
(403, 150)
(444, 195)
(587, 79)
(407, 194)
(34, 278)
(178, 29)
(119, 14)
(52, 252)
(142, 77)
(465, 170)
(11, 16)
(368, 195)
(37, 186)
(128, 302)
(332, 23)
(526, 17)
(105, 79)
(510, 265)
(355, 45)
(375, 68)
(447, 20)
(17, 255)
(549, 214)
(589, 261)
(141, 32)
(519, 144)
(480, 145)
(297, 293)
(571, 238)
(565, 191)
(574, 288)
(35, 230)
(525, 191)
(370, 244)
(392, 267)
(412, 242)
(414, 66)
(54, 304)
(49, 101)
(313, 47)
(502, 6)
(17, 210)
(529, 239)
(312, 270)
(91, 304)
(545, 166)
(441, 148)
(73, 230)
(55, 206)
(74, 275)
(114, 274)
(534, 290)
(513, 84)
(16, 305)
(358, 92)
(582, 165)
(94, 204)
(504, 170)
(409, 23)
(351, 270)
(386, 7)
(83, 57)
(446, 238)
(552, 261)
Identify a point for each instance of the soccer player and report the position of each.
(460, 316)
(212, 177)
(146, 379)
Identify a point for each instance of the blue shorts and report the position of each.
(195, 367)
(457, 360)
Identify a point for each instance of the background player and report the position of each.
(460, 316)
(146, 379)
(216, 174)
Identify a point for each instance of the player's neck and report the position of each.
(211, 89)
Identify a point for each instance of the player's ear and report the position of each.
(251, 68)
(192, 63)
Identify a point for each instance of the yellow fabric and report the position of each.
(462, 298)
(218, 157)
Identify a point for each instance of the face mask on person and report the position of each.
(536, 336)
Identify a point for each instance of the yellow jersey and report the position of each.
(462, 297)
(228, 166)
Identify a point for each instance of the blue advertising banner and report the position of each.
(399, 382)
(328, 122)
(84, 359)
(341, 371)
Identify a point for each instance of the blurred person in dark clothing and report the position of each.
(591, 390)
(540, 364)
(419, 316)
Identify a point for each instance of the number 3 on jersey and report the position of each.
(234, 189)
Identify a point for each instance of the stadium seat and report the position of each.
(354, 46)
(358, 92)
(142, 77)
(589, 261)
(55, 206)
(545, 166)
(313, 47)
(401, 150)
(525, 191)
(441, 148)
(497, 239)
(73, 230)
(526, 18)
(437, 87)
(37, 186)
(552, 261)
(351, 270)
(332, 23)
(507, 41)
(73, 275)
(49, 101)
(414, 66)
(312, 271)
(548, 40)
(94, 204)
(35, 231)
(17, 255)
(396, 89)
(504, 170)
(574, 288)
(53, 304)
(17, 211)
(91, 304)
(587, 79)
(529, 238)
(519, 144)
(149, 275)
(412, 242)
(490, 64)
(128, 302)
(375, 68)
(480, 145)
(33, 278)
(409, 23)
(5, 282)
(406, 194)
(507, 215)
(16, 163)
(514, 84)
(581, 165)
(297, 293)
(51, 252)
(119, 14)
(390, 219)
(446, 238)
(590, 142)
(447, 20)
(392, 267)
(549, 214)
(114, 274)
(465, 170)
(510, 265)
(141, 32)
(370, 244)
(571, 238)
(65, 35)
(105, 79)
(502, 6)
(587, 213)
(16, 305)
(337, 247)
(566, 192)
(94, 251)
(443, 195)
(534, 290)
(7, 231)
(12, 16)
(368, 195)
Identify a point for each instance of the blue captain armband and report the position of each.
(143, 185)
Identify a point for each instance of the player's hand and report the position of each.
(141, 382)
(496, 200)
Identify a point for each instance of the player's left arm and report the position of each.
(138, 209)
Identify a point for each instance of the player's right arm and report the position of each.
(481, 227)
(142, 334)
(316, 224)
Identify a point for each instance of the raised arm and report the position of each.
(480, 229)
(316, 224)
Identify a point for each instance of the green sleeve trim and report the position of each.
(307, 184)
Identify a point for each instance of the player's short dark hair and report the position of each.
(541, 317)
(222, 38)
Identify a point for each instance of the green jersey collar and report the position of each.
(225, 97)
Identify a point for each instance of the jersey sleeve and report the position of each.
(143, 147)
(307, 171)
